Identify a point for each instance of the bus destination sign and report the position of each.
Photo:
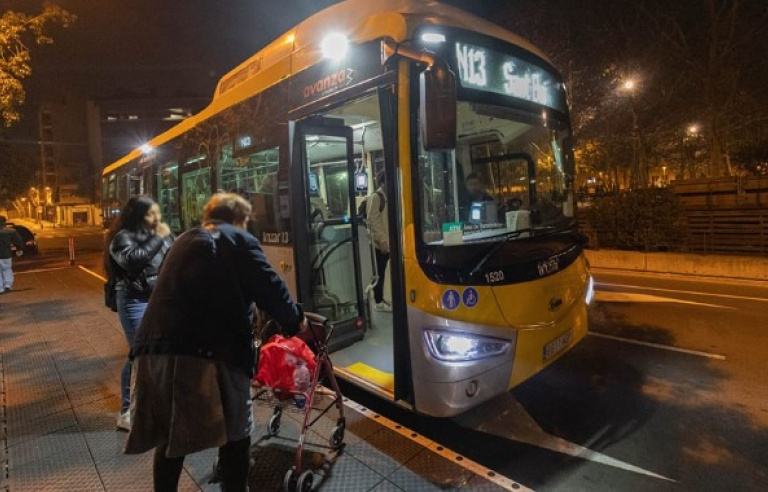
(486, 70)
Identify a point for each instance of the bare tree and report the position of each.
(718, 45)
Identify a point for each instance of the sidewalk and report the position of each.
(61, 353)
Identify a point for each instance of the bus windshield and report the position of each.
(508, 178)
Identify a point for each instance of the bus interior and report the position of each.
(332, 249)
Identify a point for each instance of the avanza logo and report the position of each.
(329, 83)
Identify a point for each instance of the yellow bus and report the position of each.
(487, 280)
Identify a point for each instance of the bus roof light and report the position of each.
(335, 46)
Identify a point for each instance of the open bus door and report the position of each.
(326, 246)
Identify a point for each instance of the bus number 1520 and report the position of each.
(494, 277)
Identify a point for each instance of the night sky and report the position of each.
(166, 47)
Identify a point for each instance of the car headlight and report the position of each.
(458, 347)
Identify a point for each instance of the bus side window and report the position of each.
(167, 189)
(196, 191)
(254, 177)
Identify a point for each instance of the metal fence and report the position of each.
(723, 216)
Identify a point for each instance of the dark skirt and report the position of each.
(187, 404)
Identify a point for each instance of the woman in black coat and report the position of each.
(194, 352)
(136, 246)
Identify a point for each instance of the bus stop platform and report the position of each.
(61, 352)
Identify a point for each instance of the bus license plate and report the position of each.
(557, 345)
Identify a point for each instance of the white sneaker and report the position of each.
(124, 421)
(382, 306)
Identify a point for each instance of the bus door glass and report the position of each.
(329, 269)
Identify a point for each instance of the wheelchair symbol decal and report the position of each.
(470, 297)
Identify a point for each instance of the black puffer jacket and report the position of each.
(136, 258)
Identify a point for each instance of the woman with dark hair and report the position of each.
(135, 247)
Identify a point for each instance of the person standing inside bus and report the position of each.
(136, 246)
(378, 224)
(194, 352)
(475, 193)
(8, 238)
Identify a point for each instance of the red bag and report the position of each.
(277, 361)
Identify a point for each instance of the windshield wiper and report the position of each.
(509, 236)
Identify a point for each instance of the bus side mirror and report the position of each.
(437, 113)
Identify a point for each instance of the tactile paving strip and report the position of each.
(42, 448)
(72, 470)
(347, 474)
(384, 451)
(386, 486)
(135, 473)
(200, 466)
(430, 471)
(272, 459)
(22, 431)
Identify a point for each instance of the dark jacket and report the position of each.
(9, 236)
(136, 258)
(202, 304)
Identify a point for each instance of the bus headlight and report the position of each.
(458, 347)
(590, 290)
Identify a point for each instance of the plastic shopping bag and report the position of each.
(278, 359)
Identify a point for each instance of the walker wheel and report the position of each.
(274, 425)
(216, 475)
(337, 436)
(289, 481)
(304, 484)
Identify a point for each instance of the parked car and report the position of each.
(30, 241)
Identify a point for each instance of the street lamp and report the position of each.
(639, 172)
(690, 146)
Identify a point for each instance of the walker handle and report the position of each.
(315, 319)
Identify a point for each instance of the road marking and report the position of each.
(658, 346)
(707, 294)
(91, 272)
(42, 270)
(610, 296)
(502, 481)
(505, 417)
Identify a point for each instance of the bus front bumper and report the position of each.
(445, 388)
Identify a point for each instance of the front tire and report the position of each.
(273, 429)
(289, 481)
(305, 482)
